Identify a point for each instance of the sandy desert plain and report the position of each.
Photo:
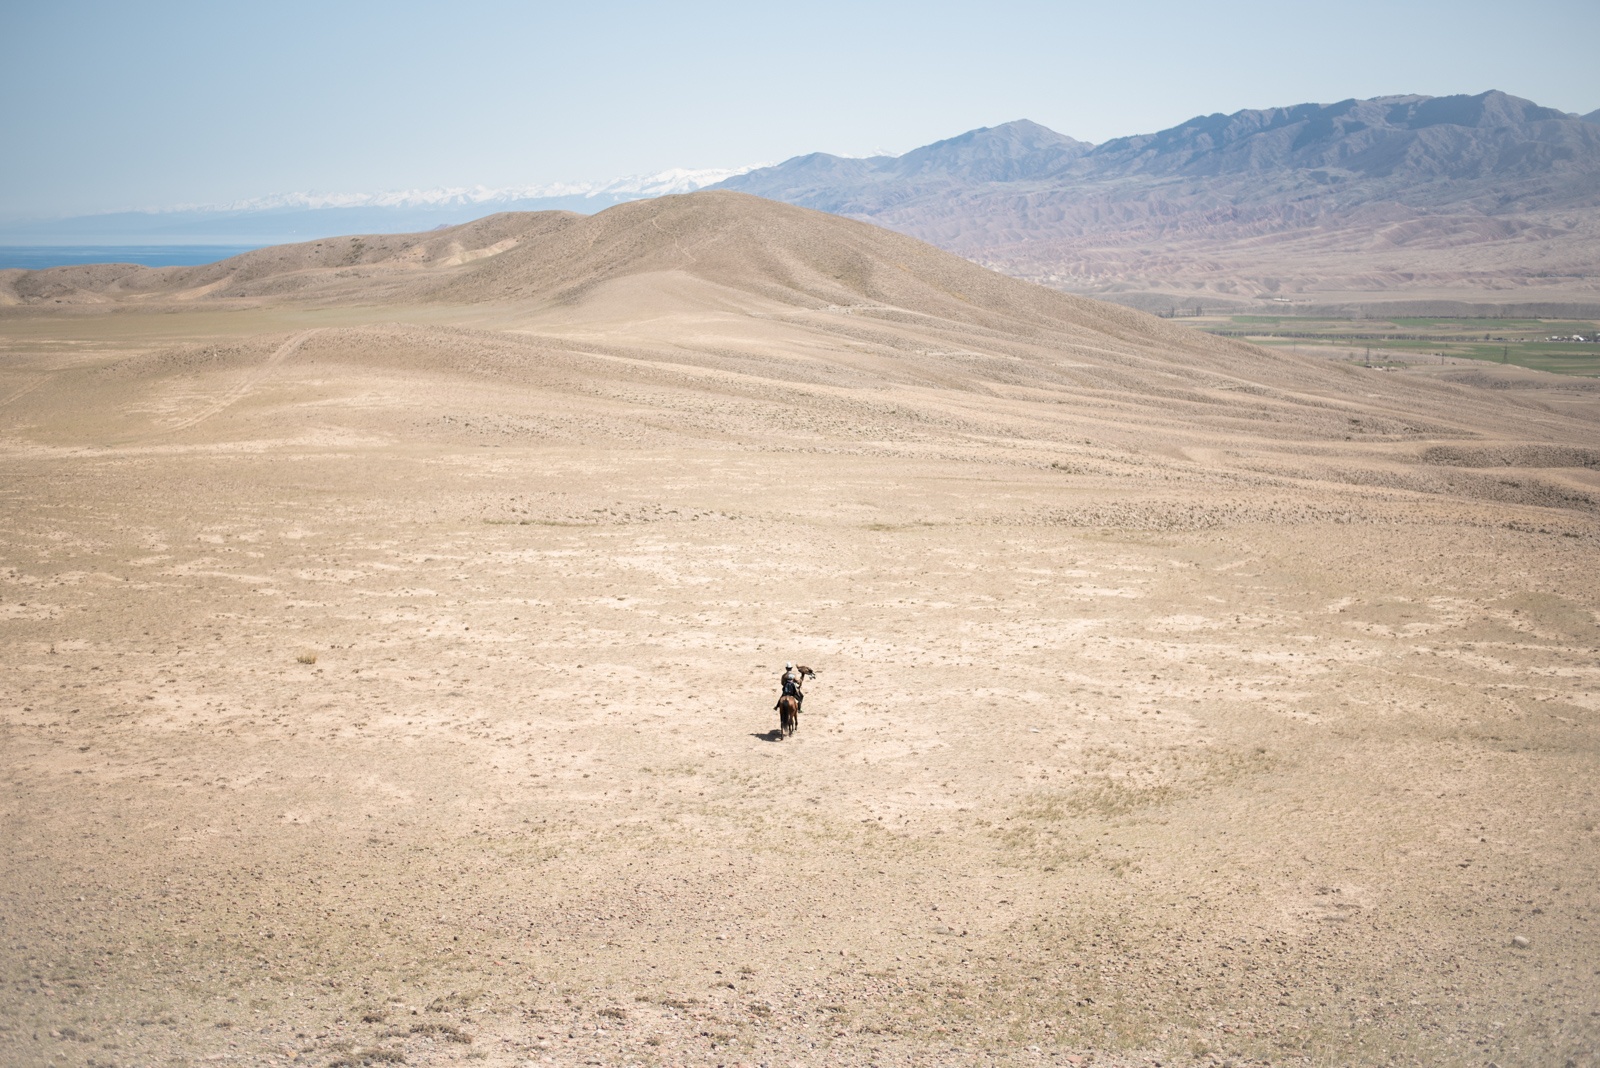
(1178, 702)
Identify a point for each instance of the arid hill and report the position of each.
(392, 627)
(870, 305)
(1486, 198)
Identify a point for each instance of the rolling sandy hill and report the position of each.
(1487, 198)
(861, 303)
(392, 627)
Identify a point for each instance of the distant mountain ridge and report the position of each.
(1413, 136)
(1489, 199)
(1340, 200)
(300, 216)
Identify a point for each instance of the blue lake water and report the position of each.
(38, 257)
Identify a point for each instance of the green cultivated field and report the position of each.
(1422, 340)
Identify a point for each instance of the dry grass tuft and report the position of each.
(307, 658)
(365, 1057)
(438, 1030)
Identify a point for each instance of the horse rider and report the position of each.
(791, 685)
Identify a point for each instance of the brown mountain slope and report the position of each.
(1488, 198)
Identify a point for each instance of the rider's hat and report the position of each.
(788, 667)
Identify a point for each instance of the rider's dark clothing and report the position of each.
(791, 686)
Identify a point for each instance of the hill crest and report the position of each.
(790, 255)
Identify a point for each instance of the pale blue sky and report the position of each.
(109, 106)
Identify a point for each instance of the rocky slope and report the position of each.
(1487, 197)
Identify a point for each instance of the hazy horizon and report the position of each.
(119, 109)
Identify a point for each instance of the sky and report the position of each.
(113, 106)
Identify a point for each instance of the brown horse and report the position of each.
(788, 715)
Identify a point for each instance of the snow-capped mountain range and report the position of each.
(286, 217)
(676, 180)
